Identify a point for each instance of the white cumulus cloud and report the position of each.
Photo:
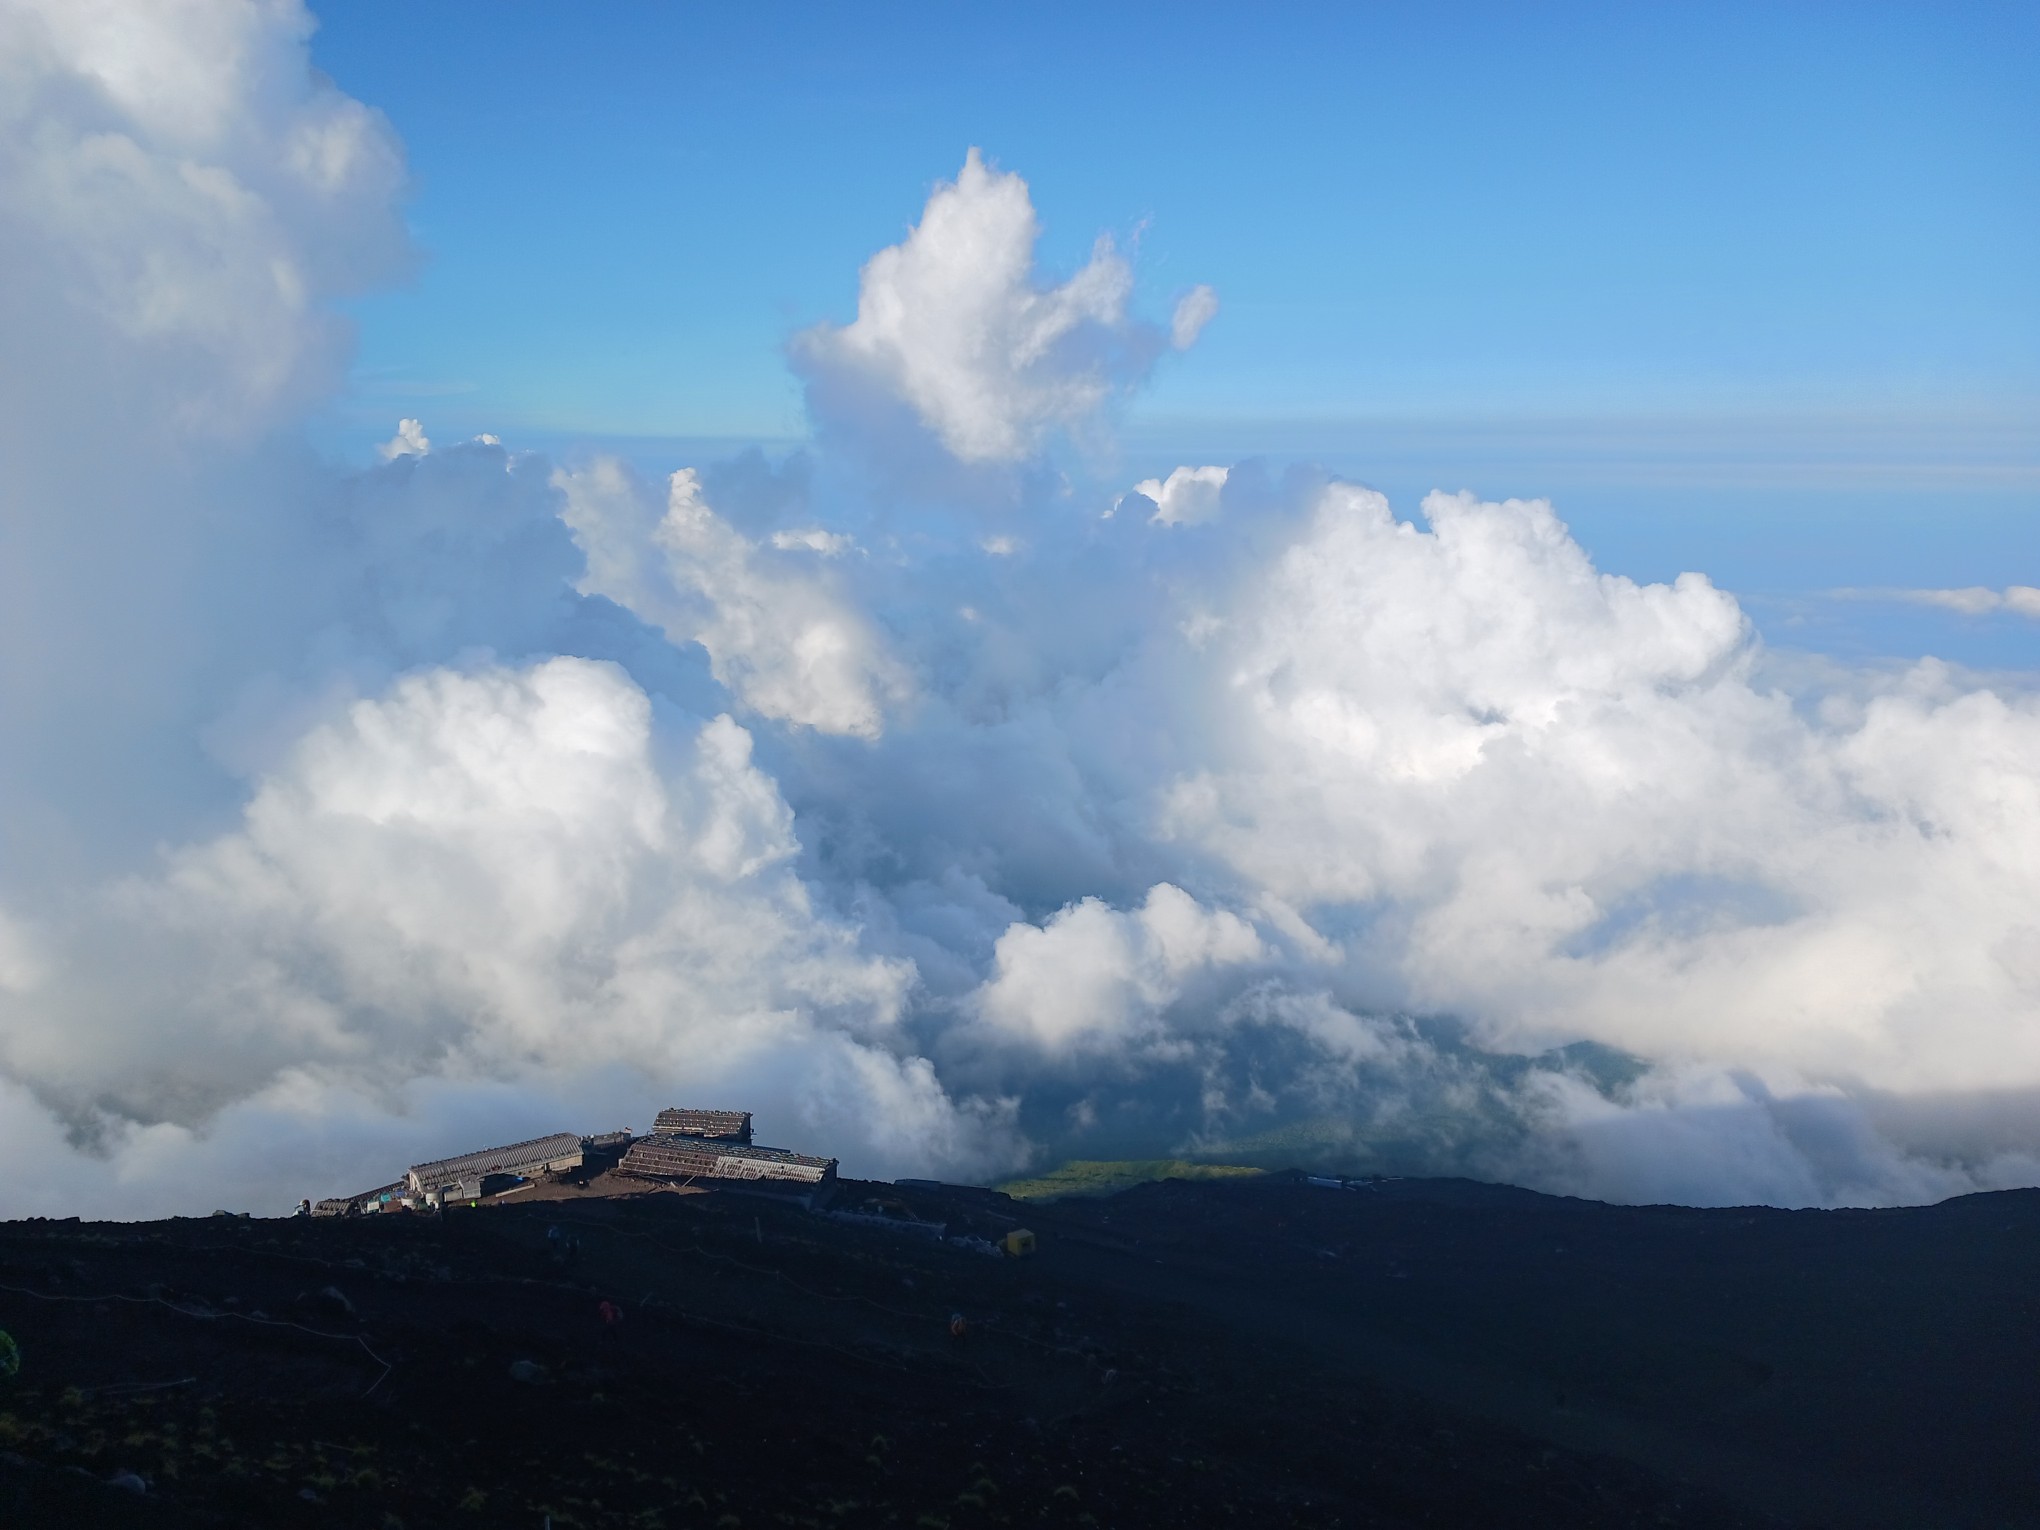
(484, 878)
(1091, 976)
(955, 325)
(1572, 808)
(1186, 497)
(411, 441)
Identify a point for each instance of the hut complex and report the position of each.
(693, 1151)
(712, 1148)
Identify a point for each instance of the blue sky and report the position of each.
(1744, 288)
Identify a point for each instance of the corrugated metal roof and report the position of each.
(677, 1157)
(680, 1122)
(516, 1158)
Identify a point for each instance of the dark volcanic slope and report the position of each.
(1851, 1367)
(1252, 1353)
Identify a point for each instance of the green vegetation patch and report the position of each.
(1086, 1176)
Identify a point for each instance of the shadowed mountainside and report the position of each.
(1252, 1350)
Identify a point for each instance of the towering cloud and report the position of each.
(179, 196)
(355, 816)
(181, 199)
(954, 325)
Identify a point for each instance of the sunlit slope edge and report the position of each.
(1086, 1176)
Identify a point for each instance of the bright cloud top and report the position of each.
(1186, 497)
(953, 323)
(1581, 814)
(1092, 977)
(363, 814)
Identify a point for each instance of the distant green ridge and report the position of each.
(1087, 1176)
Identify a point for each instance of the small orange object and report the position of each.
(958, 1327)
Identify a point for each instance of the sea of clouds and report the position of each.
(951, 810)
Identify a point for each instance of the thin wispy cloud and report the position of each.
(1971, 600)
